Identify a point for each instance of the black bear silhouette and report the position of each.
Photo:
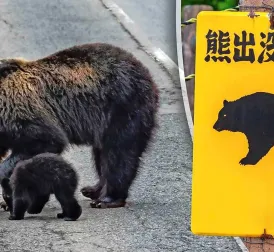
(252, 115)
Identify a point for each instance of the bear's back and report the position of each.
(260, 96)
(42, 171)
(97, 53)
(259, 99)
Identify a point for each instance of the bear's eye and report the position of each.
(224, 115)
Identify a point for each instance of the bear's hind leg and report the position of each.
(34, 139)
(258, 147)
(38, 204)
(73, 210)
(121, 153)
(70, 206)
(120, 170)
(61, 215)
(6, 169)
(93, 192)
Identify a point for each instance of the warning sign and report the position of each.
(233, 153)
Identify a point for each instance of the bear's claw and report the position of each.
(91, 192)
(4, 205)
(242, 162)
(60, 215)
(247, 161)
(102, 204)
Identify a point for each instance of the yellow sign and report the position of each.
(233, 154)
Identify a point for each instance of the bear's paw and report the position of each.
(247, 161)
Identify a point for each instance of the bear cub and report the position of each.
(34, 180)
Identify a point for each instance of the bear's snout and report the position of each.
(217, 127)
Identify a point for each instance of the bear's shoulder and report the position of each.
(258, 97)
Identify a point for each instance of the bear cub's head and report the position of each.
(228, 118)
(7, 192)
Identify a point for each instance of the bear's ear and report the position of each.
(5, 183)
(225, 102)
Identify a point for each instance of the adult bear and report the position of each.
(92, 94)
(252, 115)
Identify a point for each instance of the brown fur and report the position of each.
(94, 94)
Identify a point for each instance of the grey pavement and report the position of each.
(158, 215)
(151, 16)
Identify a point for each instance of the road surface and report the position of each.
(158, 215)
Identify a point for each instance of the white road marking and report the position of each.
(181, 67)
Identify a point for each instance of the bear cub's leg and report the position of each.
(70, 207)
(18, 209)
(258, 148)
(73, 210)
(63, 214)
(38, 204)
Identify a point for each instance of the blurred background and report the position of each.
(216, 4)
(189, 10)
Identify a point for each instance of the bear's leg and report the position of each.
(38, 204)
(6, 168)
(5, 145)
(34, 139)
(258, 147)
(71, 209)
(93, 192)
(120, 170)
(18, 209)
(41, 138)
(97, 160)
(61, 215)
(121, 155)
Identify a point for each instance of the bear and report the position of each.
(96, 95)
(252, 115)
(34, 180)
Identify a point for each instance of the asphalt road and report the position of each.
(158, 215)
(151, 16)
